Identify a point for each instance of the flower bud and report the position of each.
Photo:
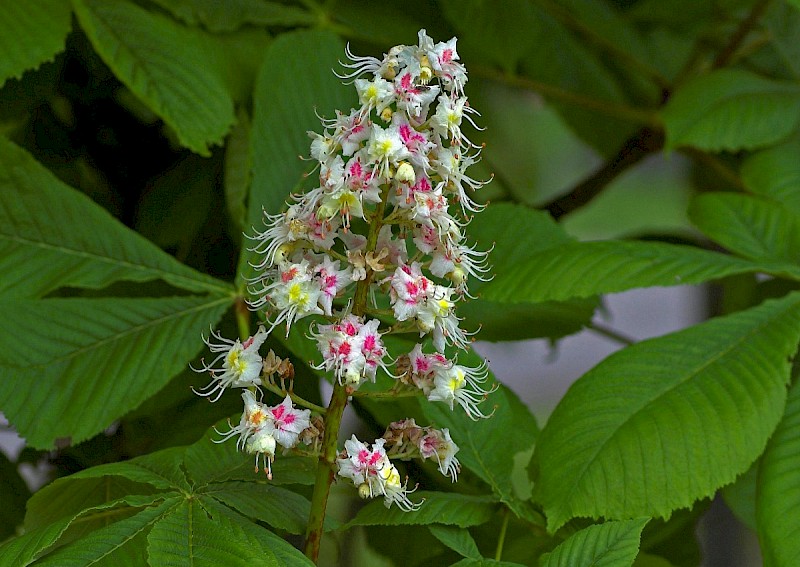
(405, 173)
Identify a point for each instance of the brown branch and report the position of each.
(640, 145)
(724, 57)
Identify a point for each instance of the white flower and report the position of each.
(288, 422)
(294, 294)
(461, 384)
(332, 281)
(438, 444)
(386, 148)
(351, 348)
(373, 474)
(376, 94)
(262, 428)
(241, 363)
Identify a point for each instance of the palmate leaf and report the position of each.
(778, 490)
(439, 508)
(169, 67)
(99, 547)
(731, 109)
(200, 533)
(184, 482)
(23, 550)
(670, 420)
(68, 496)
(584, 269)
(72, 366)
(295, 84)
(238, 169)
(31, 33)
(775, 173)
(612, 544)
(756, 228)
(53, 236)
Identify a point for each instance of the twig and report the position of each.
(640, 145)
(724, 57)
(611, 334)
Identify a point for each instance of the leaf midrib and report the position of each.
(205, 284)
(121, 335)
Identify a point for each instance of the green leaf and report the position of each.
(584, 269)
(200, 534)
(731, 109)
(71, 241)
(161, 469)
(31, 33)
(479, 449)
(23, 550)
(519, 321)
(295, 84)
(457, 539)
(232, 14)
(612, 544)
(647, 560)
(782, 22)
(72, 375)
(484, 562)
(273, 505)
(778, 490)
(439, 508)
(95, 548)
(775, 173)
(13, 493)
(667, 421)
(741, 497)
(525, 38)
(238, 169)
(169, 67)
(68, 496)
(514, 232)
(756, 228)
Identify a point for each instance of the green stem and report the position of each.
(274, 388)
(326, 469)
(728, 53)
(501, 539)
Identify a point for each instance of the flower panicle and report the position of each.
(377, 246)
